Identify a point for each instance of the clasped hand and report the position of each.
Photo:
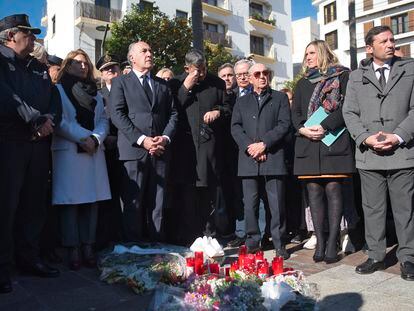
(314, 132)
(257, 151)
(46, 128)
(155, 145)
(88, 145)
(382, 141)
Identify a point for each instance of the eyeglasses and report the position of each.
(258, 74)
(242, 74)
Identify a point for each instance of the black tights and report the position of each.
(317, 190)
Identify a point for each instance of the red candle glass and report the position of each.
(263, 269)
(259, 256)
(243, 250)
(199, 263)
(234, 266)
(214, 268)
(199, 255)
(241, 260)
(277, 265)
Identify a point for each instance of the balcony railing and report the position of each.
(218, 38)
(90, 10)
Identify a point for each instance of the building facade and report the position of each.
(260, 29)
(333, 19)
(304, 30)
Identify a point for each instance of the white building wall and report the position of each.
(71, 34)
(304, 30)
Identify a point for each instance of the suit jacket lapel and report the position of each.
(266, 98)
(370, 75)
(395, 75)
(138, 84)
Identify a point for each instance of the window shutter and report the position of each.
(386, 21)
(411, 20)
(367, 27)
(368, 5)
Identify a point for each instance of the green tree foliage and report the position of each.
(169, 38)
(217, 55)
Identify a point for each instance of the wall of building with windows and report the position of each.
(333, 20)
(259, 29)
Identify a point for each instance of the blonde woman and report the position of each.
(165, 73)
(321, 168)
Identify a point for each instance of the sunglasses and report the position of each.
(258, 74)
(242, 74)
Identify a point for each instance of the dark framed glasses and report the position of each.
(258, 74)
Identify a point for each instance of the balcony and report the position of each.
(258, 21)
(218, 38)
(219, 7)
(94, 14)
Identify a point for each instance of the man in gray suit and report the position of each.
(142, 108)
(379, 114)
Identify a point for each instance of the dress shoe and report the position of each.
(74, 258)
(52, 257)
(298, 238)
(282, 252)
(40, 268)
(89, 259)
(319, 254)
(407, 270)
(311, 243)
(5, 285)
(370, 266)
(266, 243)
(237, 242)
(330, 260)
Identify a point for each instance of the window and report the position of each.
(329, 12)
(53, 24)
(399, 23)
(181, 14)
(210, 27)
(143, 5)
(368, 5)
(98, 49)
(211, 2)
(256, 9)
(392, 1)
(103, 3)
(257, 45)
(332, 39)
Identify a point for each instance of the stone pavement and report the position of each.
(340, 288)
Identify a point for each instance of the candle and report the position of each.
(241, 260)
(234, 266)
(243, 250)
(259, 256)
(277, 265)
(199, 255)
(190, 265)
(249, 262)
(263, 269)
(199, 263)
(214, 268)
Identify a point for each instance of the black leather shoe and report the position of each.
(298, 238)
(41, 269)
(319, 254)
(330, 260)
(370, 266)
(5, 285)
(266, 243)
(282, 252)
(407, 271)
(237, 242)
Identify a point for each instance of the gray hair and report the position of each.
(130, 48)
(4, 35)
(225, 65)
(195, 57)
(244, 61)
(39, 52)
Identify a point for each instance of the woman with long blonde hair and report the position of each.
(322, 166)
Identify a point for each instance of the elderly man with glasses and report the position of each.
(260, 122)
(29, 109)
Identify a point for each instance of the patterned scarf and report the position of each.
(327, 92)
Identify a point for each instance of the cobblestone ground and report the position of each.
(340, 287)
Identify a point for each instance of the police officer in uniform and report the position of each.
(29, 109)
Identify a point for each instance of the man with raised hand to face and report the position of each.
(260, 122)
(379, 113)
(142, 109)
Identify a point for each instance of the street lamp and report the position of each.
(103, 28)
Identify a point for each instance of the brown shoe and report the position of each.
(89, 259)
(74, 258)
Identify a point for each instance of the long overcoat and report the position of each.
(314, 157)
(368, 109)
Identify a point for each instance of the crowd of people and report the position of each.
(138, 157)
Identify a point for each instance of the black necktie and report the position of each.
(147, 87)
(381, 79)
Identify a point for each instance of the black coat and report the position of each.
(314, 157)
(269, 124)
(197, 151)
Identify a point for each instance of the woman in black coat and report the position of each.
(322, 167)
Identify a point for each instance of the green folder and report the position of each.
(316, 119)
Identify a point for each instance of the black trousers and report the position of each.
(254, 189)
(24, 168)
(143, 199)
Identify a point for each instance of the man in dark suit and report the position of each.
(198, 148)
(260, 121)
(142, 109)
(379, 113)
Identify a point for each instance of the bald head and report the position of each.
(140, 56)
